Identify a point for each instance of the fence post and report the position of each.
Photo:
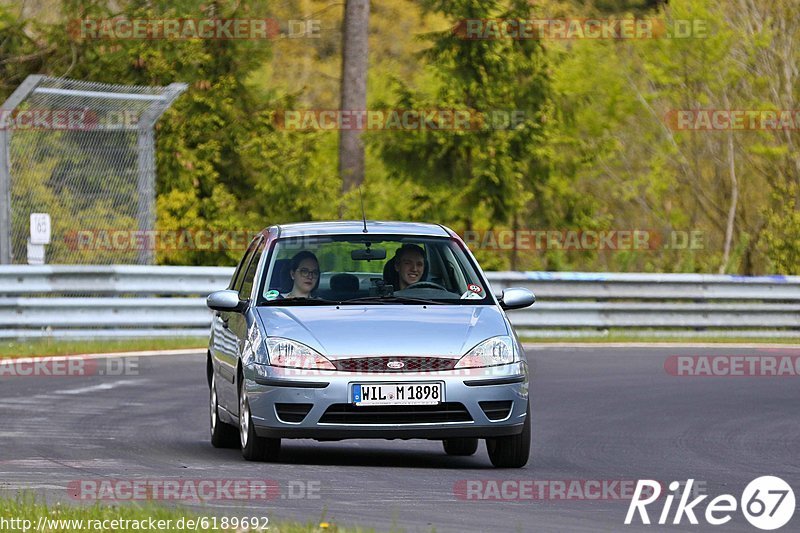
(19, 94)
(146, 167)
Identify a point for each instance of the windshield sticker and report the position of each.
(271, 295)
(474, 288)
(469, 295)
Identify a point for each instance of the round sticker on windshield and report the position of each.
(474, 288)
(271, 295)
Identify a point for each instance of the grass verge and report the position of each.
(26, 513)
(49, 347)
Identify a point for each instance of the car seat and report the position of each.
(278, 282)
(344, 286)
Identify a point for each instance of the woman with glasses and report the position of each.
(304, 271)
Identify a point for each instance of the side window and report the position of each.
(238, 274)
(250, 273)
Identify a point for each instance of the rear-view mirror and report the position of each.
(368, 254)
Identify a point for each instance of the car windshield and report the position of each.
(370, 270)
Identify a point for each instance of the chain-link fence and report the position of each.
(83, 152)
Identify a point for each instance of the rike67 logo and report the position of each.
(767, 503)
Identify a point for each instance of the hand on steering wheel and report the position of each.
(426, 285)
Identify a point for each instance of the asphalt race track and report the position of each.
(599, 414)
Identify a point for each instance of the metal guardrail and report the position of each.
(114, 301)
(113, 280)
(598, 285)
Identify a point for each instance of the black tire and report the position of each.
(254, 448)
(222, 435)
(460, 446)
(511, 451)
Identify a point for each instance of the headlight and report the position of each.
(491, 352)
(289, 353)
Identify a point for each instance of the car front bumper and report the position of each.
(480, 403)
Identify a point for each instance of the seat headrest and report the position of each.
(281, 280)
(344, 283)
(390, 275)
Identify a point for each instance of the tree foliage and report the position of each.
(485, 172)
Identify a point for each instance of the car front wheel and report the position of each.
(254, 448)
(511, 451)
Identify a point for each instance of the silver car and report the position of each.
(365, 329)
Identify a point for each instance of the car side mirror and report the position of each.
(516, 298)
(226, 300)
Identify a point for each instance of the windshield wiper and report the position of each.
(392, 299)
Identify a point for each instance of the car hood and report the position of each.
(385, 330)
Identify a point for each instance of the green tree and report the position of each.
(480, 177)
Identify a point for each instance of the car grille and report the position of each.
(496, 410)
(292, 412)
(345, 413)
(410, 364)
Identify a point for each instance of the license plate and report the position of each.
(397, 394)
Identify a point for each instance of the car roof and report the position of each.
(356, 227)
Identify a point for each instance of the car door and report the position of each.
(224, 346)
(238, 323)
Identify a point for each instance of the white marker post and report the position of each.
(40, 235)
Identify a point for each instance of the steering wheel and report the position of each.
(426, 285)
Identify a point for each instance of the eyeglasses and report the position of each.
(306, 273)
